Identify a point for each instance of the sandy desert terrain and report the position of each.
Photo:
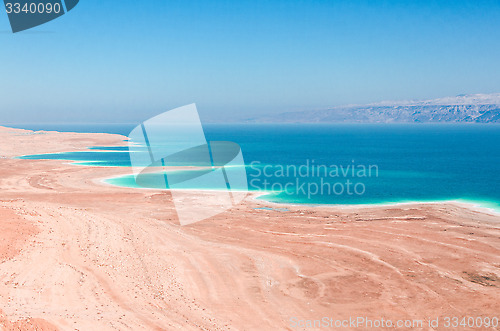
(77, 254)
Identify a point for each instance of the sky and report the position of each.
(123, 62)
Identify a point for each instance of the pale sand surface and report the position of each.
(79, 254)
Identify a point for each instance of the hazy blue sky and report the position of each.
(124, 61)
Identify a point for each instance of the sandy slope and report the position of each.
(77, 254)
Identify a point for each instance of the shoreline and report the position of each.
(473, 205)
(466, 204)
(257, 195)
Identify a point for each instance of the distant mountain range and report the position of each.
(474, 108)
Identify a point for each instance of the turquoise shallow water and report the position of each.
(313, 164)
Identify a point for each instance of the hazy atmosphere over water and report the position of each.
(125, 61)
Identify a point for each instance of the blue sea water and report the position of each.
(313, 164)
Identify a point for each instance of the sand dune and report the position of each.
(79, 254)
